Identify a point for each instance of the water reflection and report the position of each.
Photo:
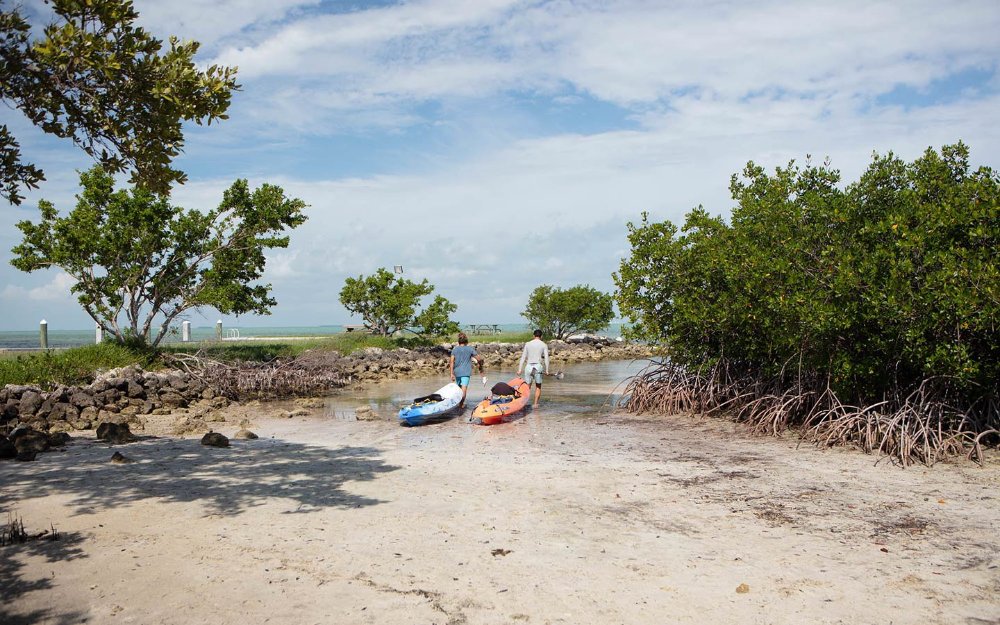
(586, 391)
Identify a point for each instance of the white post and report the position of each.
(186, 331)
(43, 334)
(218, 329)
(98, 334)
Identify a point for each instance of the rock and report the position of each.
(63, 412)
(310, 402)
(60, 427)
(31, 401)
(25, 456)
(743, 589)
(366, 413)
(215, 439)
(58, 439)
(171, 399)
(31, 441)
(186, 425)
(115, 433)
(208, 393)
(245, 434)
(215, 417)
(135, 390)
(7, 448)
(82, 400)
(118, 458)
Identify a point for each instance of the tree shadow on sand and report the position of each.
(13, 584)
(227, 481)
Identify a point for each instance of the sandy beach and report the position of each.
(570, 514)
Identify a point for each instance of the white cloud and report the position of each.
(634, 54)
(56, 290)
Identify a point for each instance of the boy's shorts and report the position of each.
(463, 380)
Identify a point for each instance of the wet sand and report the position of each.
(566, 515)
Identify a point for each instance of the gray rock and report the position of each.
(82, 399)
(31, 401)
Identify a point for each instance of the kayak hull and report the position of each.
(490, 411)
(419, 414)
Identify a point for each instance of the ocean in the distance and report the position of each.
(59, 338)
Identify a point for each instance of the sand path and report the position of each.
(548, 519)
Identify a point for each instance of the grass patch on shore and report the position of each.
(78, 365)
(267, 350)
(72, 366)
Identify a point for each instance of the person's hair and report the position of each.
(538, 333)
(462, 339)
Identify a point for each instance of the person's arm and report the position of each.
(524, 356)
(545, 352)
(451, 364)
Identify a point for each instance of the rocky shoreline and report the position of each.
(195, 397)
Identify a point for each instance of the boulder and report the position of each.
(31, 401)
(119, 458)
(366, 413)
(58, 439)
(115, 433)
(28, 440)
(214, 439)
(63, 412)
(7, 448)
(245, 434)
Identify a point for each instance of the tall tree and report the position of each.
(136, 256)
(95, 78)
(388, 304)
(561, 313)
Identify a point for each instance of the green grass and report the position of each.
(72, 366)
(77, 365)
(264, 351)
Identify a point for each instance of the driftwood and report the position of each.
(930, 423)
(259, 380)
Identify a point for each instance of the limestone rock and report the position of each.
(30, 441)
(115, 433)
(245, 434)
(119, 458)
(366, 413)
(215, 439)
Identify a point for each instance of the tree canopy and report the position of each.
(874, 288)
(388, 304)
(562, 312)
(136, 256)
(117, 92)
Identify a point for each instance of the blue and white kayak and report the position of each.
(437, 404)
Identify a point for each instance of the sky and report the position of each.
(491, 146)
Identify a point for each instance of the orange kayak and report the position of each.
(495, 408)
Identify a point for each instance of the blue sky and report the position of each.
(494, 145)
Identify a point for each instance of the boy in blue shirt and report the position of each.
(462, 357)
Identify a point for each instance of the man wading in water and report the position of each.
(462, 357)
(534, 352)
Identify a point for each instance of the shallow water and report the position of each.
(587, 391)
